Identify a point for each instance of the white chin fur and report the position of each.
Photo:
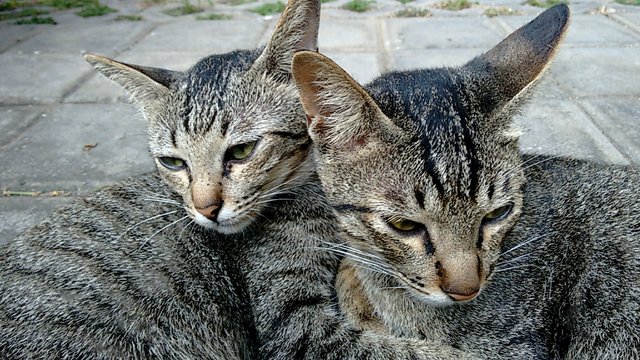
(437, 299)
(225, 225)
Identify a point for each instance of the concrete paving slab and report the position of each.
(361, 66)
(15, 119)
(347, 35)
(38, 78)
(51, 155)
(17, 214)
(197, 36)
(593, 72)
(102, 90)
(588, 30)
(559, 127)
(107, 38)
(613, 116)
(443, 33)
(14, 34)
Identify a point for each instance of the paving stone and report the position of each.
(100, 89)
(618, 118)
(38, 78)
(587, 30)
(426, 33)
(594, 72)
(51, 154)
(15, 119)
(559, 127)
(198, 36)
(630, 20)
(347, 35)
(361, 66)
(17, 214)
(14, 34)
(105, 38)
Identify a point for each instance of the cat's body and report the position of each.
(92, 282)
(451, 236)
(229, 138)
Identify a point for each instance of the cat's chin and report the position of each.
(437, 300)
(228, 227)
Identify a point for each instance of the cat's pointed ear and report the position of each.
(296, 30)
(339, 111)
(144, 84)
(505, 72)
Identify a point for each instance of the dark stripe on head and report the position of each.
(474, 164)
(419, 198)
(490, 191)
(288, 135)
(351, 208)
(173, 137)
(430, 168)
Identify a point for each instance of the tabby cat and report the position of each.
(125, 273)
(451, 234)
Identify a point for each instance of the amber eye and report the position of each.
(173, 164)
(240, 151)
(498, 214)
(404, 225)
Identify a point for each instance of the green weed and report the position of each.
(269, 8)
(358, 5)
(37, 20)
(413, 12)
(214, 16)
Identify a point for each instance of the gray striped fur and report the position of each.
(556, 277)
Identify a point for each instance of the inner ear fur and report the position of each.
(339, 110)
(144, 84)
(516, 63)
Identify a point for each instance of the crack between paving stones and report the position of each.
(594, 122)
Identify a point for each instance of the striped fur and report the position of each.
(554, 276)
(111, 277)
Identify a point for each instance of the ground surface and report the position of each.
(65, 130)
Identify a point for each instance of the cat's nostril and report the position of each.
(210, 212)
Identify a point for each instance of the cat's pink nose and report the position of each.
(210, 212)
(463, 297)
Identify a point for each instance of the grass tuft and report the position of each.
(36, 20)
(269, 8)
(22, 13)
(185, 9)
(358, 5)
(500, 11)
(94, 10)
(629, 2)
(545, 3)
(455, 5)
(410, 12)
(129, 17)
(214, 16)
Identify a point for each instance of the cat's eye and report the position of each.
(498, 214)
(240, 151)
(404, 225)
(172, 163)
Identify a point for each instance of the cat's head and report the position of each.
(423, 168)
(229, 134)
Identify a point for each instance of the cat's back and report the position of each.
(104, 278)
(586, 217)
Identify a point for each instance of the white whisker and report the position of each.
(157, 232)
(144, 221)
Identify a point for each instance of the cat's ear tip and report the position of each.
(94, 59)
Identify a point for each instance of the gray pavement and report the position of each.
(65, 130)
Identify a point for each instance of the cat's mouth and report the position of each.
(230, 220)
(431, 295)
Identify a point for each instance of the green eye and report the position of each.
(403, 225)
(240, 151)
(173, 164)
(498, 214)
